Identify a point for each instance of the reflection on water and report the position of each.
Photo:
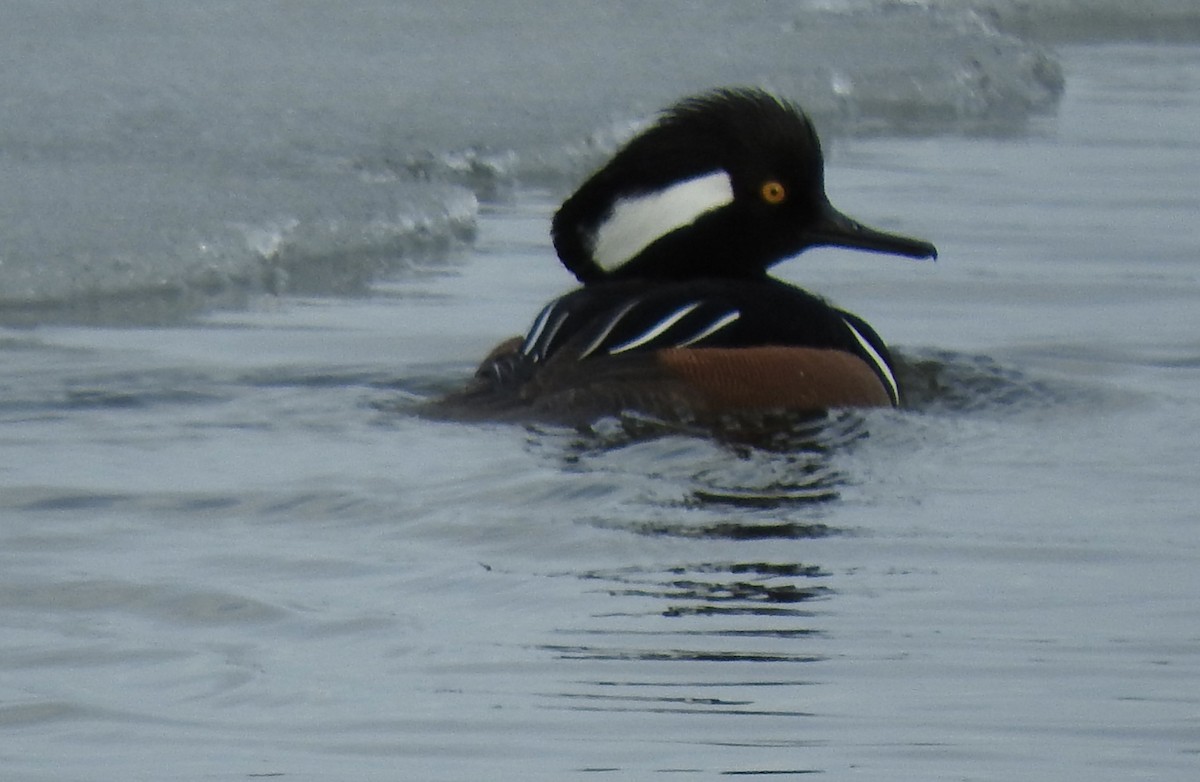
(731, 530)
(698, 639)
(760, 461)
(735, 614)
(729, 622)
(949, 382)
(700, 589)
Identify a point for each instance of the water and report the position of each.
(230, 551)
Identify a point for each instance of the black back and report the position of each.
(625, 317)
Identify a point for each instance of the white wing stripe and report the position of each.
(713, 328)
(657, 331)
(884, 370)
(551, 333)
(535, 331)
(603, 335)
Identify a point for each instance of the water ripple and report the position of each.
(174, 604)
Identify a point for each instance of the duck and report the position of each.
(676, 314)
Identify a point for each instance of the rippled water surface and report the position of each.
(229, 549)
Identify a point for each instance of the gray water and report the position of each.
(231, 550)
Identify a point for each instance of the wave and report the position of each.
(225, 263)
(1092, 21)
(169, 182)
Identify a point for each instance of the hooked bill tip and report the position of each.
(838, 230)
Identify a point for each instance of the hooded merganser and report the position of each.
(672, 240)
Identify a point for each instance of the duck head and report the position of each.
(724, 184)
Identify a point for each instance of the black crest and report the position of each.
(746, 133)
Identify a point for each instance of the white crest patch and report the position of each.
(635, 223)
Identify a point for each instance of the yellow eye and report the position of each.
(773, 192)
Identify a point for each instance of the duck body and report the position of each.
(677, 315)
